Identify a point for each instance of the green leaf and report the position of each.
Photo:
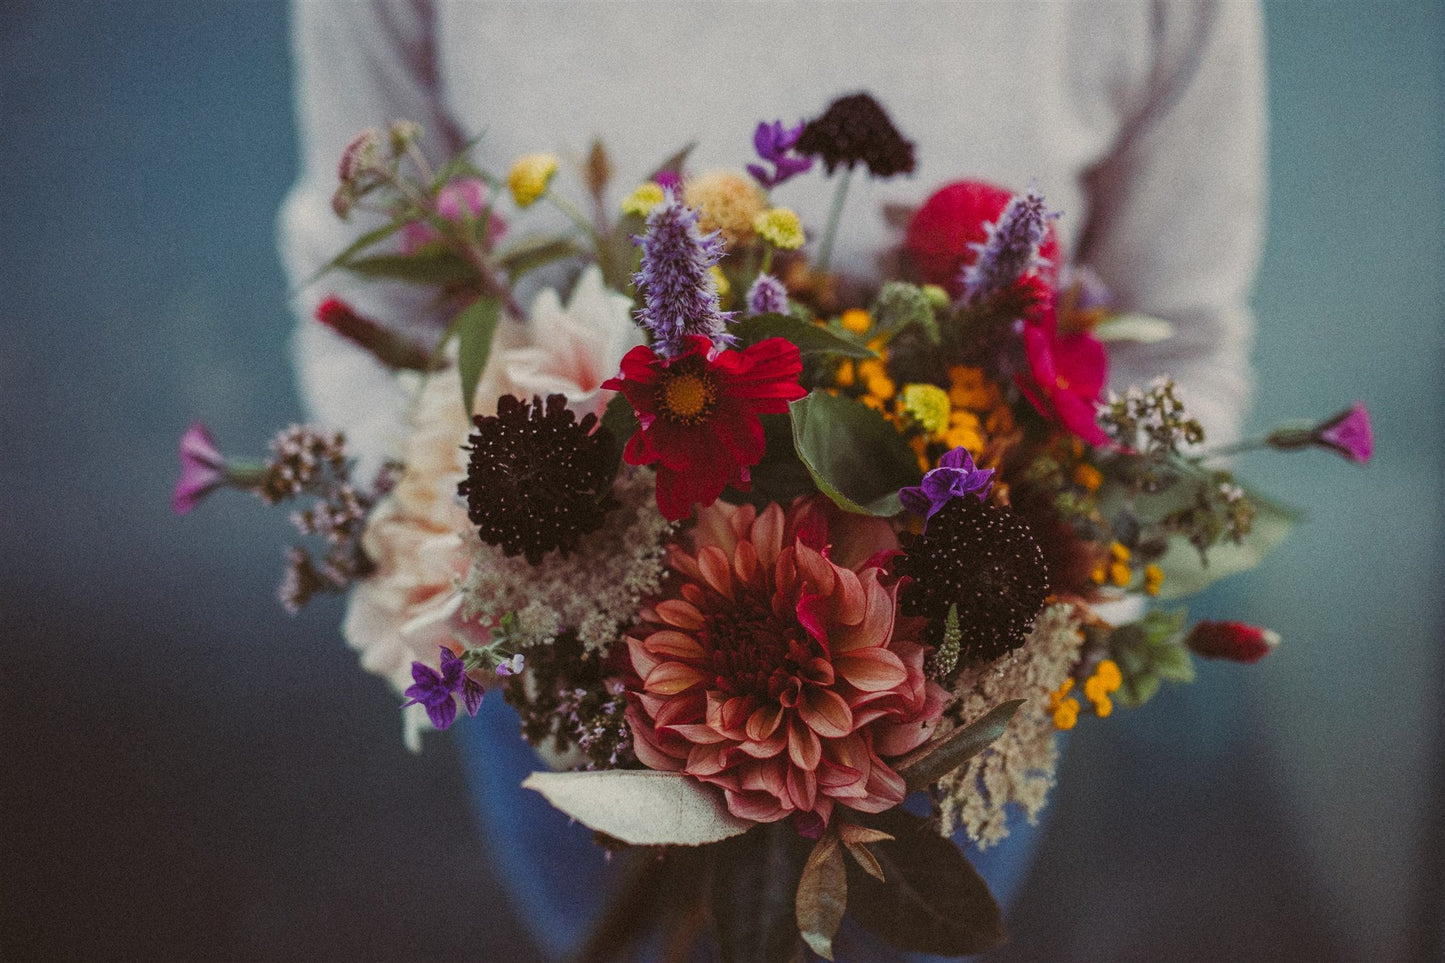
(809, 338)
(934, 760)
(855, 456)
(1139, 328)
(1186, 573)
(932, 899)
(431, 267)
(641, 807)
(822, 896)
(780, 476)
(475, 327)
(1148, 652)
(754, 883)
(673, 165)
(620, 418)
(374, 236)
(527, 254)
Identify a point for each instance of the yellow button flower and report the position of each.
(1063, 707)
(856, 320)
(928, 406)
(781, 228)
(643, 200)
(530, 176)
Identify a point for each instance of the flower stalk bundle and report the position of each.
(754, 565)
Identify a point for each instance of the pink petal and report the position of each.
(825, 712)
(872, 669)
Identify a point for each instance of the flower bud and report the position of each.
(1235, 641)
(358, 156)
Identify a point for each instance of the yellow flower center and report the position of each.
(687, 397)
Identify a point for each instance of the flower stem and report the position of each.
(825, 249)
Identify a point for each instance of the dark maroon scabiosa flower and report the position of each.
(537, 479)
(856, 130)
(984, 560)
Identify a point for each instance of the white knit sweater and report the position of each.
(1142, 121)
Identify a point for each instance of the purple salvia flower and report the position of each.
(955, 476)
(767, 296)
(1011, 248)
(1349, 434)
(435, 691)
(679, 295)
(772, 142)
(203, 469)
(512, 666)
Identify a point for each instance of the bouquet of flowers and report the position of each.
(755, 550)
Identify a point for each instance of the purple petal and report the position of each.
(453, 670)
(760, 174)
(443, 713)
(472, 696)
(914, 500)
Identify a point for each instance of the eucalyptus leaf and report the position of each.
(822, 896)
(431, 267)
(934, 760)
(810, 338)
(1139, 328)
(932, 899)
(475, 327)
(855, 456)
(1186, 573)
(754, 885)
(641, 807)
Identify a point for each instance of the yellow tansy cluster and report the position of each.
(641, 201)
(1103, 683)
(1064, 707)
(1116, 571)
(781, 228)
(725, 201)
(530, 176)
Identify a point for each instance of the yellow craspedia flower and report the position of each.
(530, 176)
(1097, 688)
(856, 320)
(1119, 573)
(643, 200)
(781, 228)
(725, 201)
(928, 406)
(1088, 477)
(1119, 551)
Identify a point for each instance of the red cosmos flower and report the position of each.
(953, 218)
(699, 414)
(777, 674)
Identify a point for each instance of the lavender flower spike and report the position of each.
(772, 142)
(679, 295)
(767, 296)
(955, 476)
(434, 690)
(1011, 248)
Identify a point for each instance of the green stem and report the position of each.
(767, 267)
(576, 217)
(825, 249)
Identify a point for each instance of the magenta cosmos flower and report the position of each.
(776, 674)
(1066, 378)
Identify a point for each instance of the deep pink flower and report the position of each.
(1349, 433)
(776, 674)
(203, 469)
(945, 233)
(698, 414)
(460, 200)
(1066, 378)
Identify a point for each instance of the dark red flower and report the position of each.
(954, 218)
(1235, 641)
(698, 414)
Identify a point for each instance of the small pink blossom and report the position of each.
(460, 201)
(203, 469)
(1349, 433)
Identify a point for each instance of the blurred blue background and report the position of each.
(190, 774)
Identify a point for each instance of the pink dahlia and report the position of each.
(776, 674)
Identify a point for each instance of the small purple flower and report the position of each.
(1349, 434)
(203, 469)
(767, 296)
(1011, 248)
(955, 476)
(435, 691)
(512, 666)
(679, 295)
(772, 142)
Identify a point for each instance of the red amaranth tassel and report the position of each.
(1235, 641)
(388, 347)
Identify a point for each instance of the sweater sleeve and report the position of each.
(1176, 209)
(357, 65)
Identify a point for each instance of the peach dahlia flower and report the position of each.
(776, 674)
